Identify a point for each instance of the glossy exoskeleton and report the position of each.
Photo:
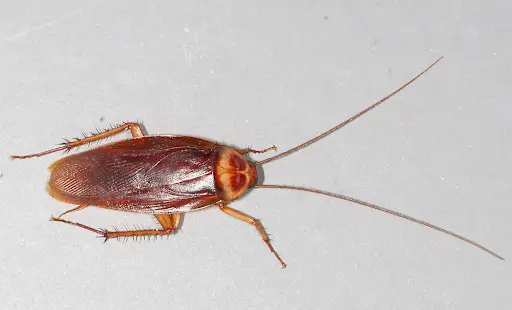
(167, 176)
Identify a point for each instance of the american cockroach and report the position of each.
(167, 176)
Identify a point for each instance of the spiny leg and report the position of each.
(135, 129)
(72, 210)
(248, 150)
(169, 222)
(248, 219)
(55, 219)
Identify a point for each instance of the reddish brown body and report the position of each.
(152, 174)
(170, 175)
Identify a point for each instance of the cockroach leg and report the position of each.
(169, 222)
(246, 151)
(134, 128)
(72, 210)
(100, 232)
(256, 223)
(137, 233)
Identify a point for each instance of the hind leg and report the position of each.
(134, 128)
(169, 223)
(72, 210)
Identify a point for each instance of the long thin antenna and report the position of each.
(369, 205)
(328, 132)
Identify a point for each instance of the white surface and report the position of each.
(261, 73)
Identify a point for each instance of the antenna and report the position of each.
(357, 201)
(353, 118)
(375, 207)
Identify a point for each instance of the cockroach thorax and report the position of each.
(233, 174)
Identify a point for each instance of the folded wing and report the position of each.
(152, 174)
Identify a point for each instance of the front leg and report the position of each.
(248, 150)
(254, 222)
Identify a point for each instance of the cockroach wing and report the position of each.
(151, 174)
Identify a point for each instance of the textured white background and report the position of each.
(260, 73)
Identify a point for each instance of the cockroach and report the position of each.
(166, 176)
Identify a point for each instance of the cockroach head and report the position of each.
(233, 174)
